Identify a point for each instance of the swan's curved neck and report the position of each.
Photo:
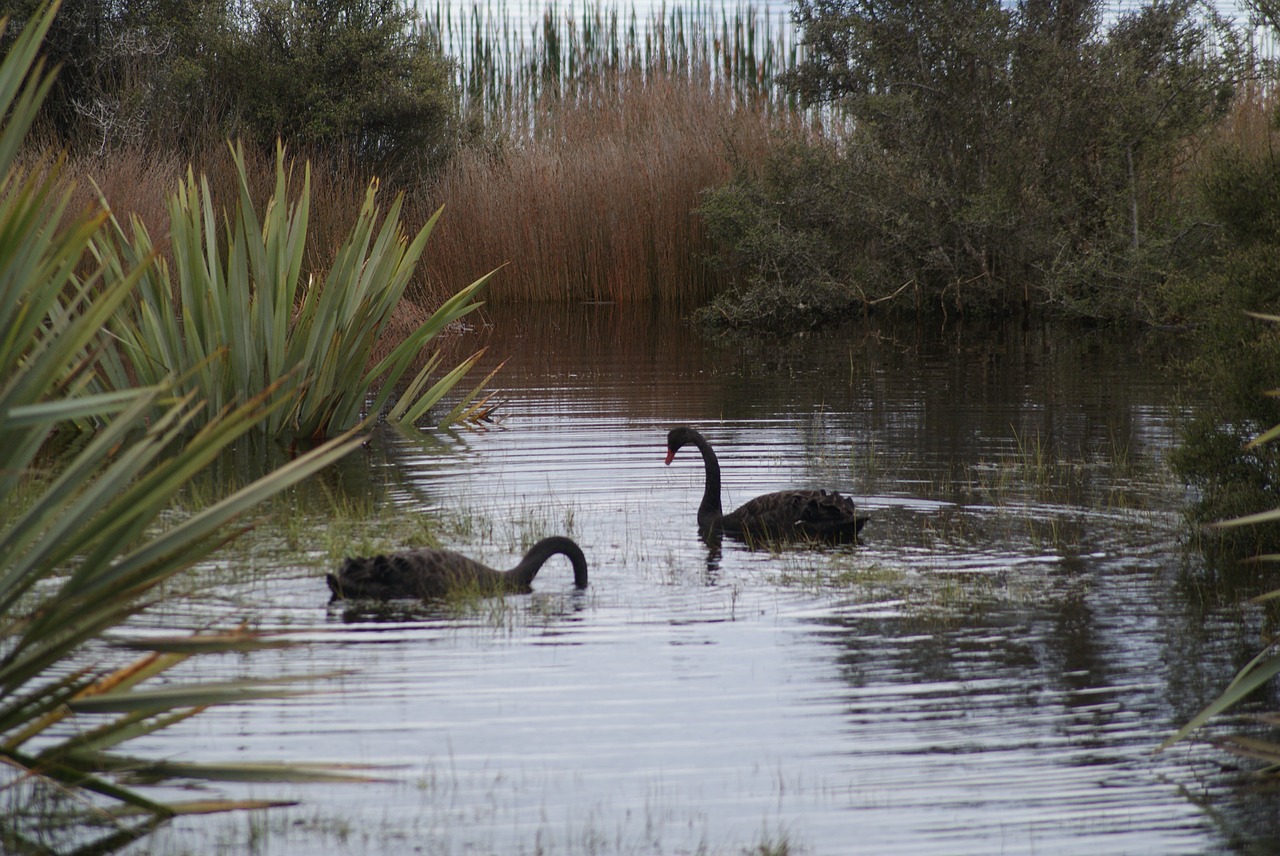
(545, 549)
(709, 511)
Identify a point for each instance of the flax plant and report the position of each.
(87, 530)
(238, 316)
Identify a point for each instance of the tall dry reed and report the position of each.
(136, 182)
(598, 203)
(511, 57)
(608, 130)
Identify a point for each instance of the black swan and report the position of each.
(787, 514)
(431, 573)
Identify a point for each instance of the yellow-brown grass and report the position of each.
(1250, 126)
(597, 203)
(137, 182)
(1247, 130)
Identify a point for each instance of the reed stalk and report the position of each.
(605, 131)
(595, 207)
(510, 60)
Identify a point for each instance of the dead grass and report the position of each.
(1248, 130)
(597, 203)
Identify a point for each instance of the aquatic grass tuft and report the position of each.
(1034, 458)
(1033, 475)
(359, 526)
(770, 847)
(817, 573)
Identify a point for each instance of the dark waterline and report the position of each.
(988, 672)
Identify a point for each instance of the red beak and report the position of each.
(671, 453)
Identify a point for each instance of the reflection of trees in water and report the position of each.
(1210, 630)
(952, 392)
(1108, 660)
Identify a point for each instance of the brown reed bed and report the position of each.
(1249, 127)
(137, 182)
(598, 202)
(511, 56)
(605, 131)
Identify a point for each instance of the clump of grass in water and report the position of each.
(934, 595)
(1032, 471)
(866, 463)
(769, 847)
(516, 528)
(1034, 459)
(1108, 476)
(836, 573)
(358, 527)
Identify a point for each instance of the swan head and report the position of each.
(678, 437)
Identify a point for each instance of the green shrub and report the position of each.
(357, 76)
(1232, 356)
(360, 80)
(997, 156)
(782, 243)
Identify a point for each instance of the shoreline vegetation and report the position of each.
(761, 175)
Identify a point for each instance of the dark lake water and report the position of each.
(988, 672)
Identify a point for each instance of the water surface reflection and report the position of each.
(988, 672)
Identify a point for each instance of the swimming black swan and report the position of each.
(787, 514)
(430, 573)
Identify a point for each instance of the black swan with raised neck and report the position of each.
(432, 573)
(787, 515)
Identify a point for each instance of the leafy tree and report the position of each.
(992, 155)
(358, 79)
(133, 71)
(356, 75)
(1233, 356)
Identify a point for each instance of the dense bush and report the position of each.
(1234, 360)
(359, 78)
(129, 69)
(997, 156)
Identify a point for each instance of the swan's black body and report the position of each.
(430, 573)
(785, 515)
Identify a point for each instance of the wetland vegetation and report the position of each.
(196, 328)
